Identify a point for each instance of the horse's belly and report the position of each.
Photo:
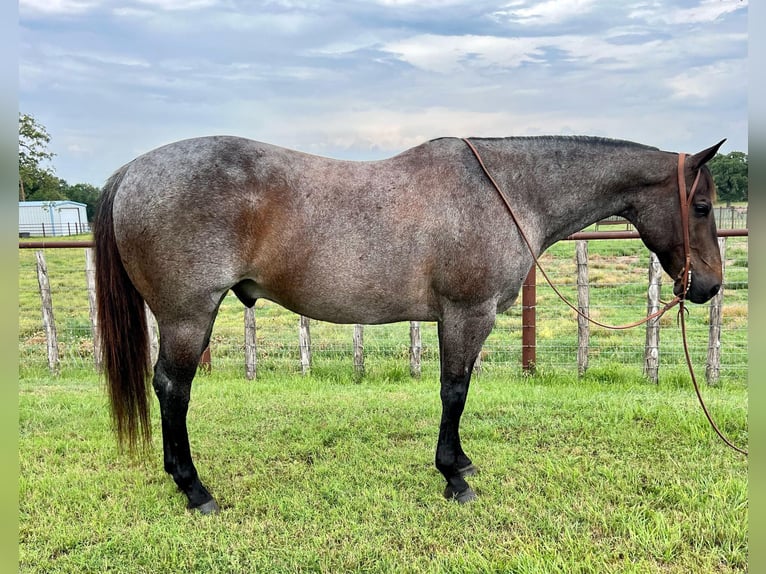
(349, 309)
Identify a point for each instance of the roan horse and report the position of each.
(419, 236)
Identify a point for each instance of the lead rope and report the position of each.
(677, 300)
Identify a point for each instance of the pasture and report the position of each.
(329, 473)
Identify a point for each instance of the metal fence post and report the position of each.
(528, 321)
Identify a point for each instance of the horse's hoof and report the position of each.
(461, 497)
(470, 470)
(209, 507)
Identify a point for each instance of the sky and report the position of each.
(364, 80)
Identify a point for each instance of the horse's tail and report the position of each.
(122, 326)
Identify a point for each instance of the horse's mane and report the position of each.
(593, 140)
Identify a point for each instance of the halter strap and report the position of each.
(685, 202)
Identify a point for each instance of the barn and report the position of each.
(52, 218)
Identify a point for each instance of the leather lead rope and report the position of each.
(685, 202)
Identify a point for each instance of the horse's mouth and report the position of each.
(699, 292)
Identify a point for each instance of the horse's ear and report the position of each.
(699, 159)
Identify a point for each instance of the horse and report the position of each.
(423, 235)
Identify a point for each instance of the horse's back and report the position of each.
(340, 240)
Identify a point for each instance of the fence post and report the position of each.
(477, 364)
(205, 361)
(528, 321)
(151, 327)
(583, 304)
(304, 342)
(358, 350)
(652, 346)
(90, 281)
(251, 354)
(416, 348)
(713, 367)
(49, 324)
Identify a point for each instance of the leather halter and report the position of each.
(685, 202)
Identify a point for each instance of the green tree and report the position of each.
(84, 193)
(730, 176)
(44, 186)
(33, 153)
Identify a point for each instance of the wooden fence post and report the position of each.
(528, 321)
(304, 342)
(154, 344)
(49, 324)
(713, 367)
(416, 348)
(251, 354)
(583, 304)
(477, 364)
(652, 346)
(359, 350)
(90, 281)
(206, 361)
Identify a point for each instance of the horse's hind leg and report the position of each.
(461, 334)
(181, 346)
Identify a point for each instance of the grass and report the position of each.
(319, 473)
(326, 473)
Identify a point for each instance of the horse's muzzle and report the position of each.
(699, 291)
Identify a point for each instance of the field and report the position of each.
(327, 473)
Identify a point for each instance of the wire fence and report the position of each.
(618, 271)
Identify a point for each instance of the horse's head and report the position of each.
(693, 262)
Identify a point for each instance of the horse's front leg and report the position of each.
(461, 335)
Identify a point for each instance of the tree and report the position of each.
(730, 175)
(44, 186)
(84, 193)
(33, 152)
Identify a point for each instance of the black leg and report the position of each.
(173, 375)
(461, 335)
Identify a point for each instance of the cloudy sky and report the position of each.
(366, 79)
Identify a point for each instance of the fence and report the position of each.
(52, 230)
(726, 217)
(615, 276)
(731, 217)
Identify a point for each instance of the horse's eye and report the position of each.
(701, 209)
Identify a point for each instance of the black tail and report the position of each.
(125, 356)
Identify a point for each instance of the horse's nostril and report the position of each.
(713, 290)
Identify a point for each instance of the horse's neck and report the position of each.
(564, 196)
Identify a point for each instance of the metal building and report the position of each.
(52, 218)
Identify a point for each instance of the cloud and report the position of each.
(447, 54)
(178, 5)
(705, 11)
(544, 13)
(56, 7)
(365, 79)
(711, 82)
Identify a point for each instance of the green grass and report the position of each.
(604, 473)
(319, 473)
